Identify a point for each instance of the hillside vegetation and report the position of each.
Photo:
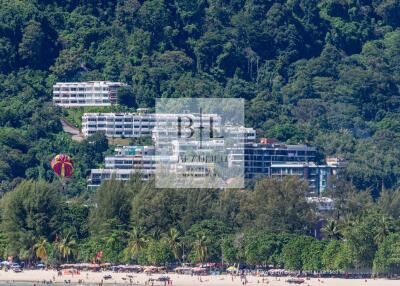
(325, 73)
(321, 72)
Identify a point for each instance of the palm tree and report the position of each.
(173, 238)
(156, 233)
(137, 241)
(66, 246)
(331, 230)
(28, 253)
(348, 222)
(384, 229)
(41, 249)
(200, 248)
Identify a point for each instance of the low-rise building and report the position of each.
(91, 93)
(97, 176)
(322, 204)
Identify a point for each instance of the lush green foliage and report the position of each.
(321, 72)
(133, 222)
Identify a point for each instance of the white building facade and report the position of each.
(136, 124)
(118, 124)
(91, 93)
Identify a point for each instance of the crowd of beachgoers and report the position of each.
(107, 273)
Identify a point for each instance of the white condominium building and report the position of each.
(99, 175)
(118, 124)
(134, 150)
(91, 93)
(138, 124)
(241, 134)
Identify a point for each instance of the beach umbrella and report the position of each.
(231, 268)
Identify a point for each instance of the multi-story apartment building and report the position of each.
(241, 134)
(180, 148)
(272, 159)
(267, 159)
(138, 157)
(97, 176)
(134, 150)
(318, 177)
(91, 93)
(118, 124)
(139, 124)
(128, 160)
(258, 157)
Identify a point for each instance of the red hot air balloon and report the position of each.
(62, 165)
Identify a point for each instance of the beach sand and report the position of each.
(35, 276)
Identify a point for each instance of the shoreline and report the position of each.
(37, 277)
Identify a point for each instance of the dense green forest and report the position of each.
(325, 73)
(135, 223)
(321, 72)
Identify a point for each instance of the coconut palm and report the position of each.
(156, 233)
(137, 241)
(331, 230)
(41, 249)
(200, 248)
(66, 246)
(348, 222)
(385, 227)
(173, 238)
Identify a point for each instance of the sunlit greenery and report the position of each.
(324, 73)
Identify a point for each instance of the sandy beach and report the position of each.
(36, 276)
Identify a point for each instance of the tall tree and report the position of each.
(41, 249)
(173, 238)
(33, 209)
(66, 245)
(200, 248)
(137, 242)
(278, 205)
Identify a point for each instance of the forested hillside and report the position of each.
(322, 72)
(325, 73)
